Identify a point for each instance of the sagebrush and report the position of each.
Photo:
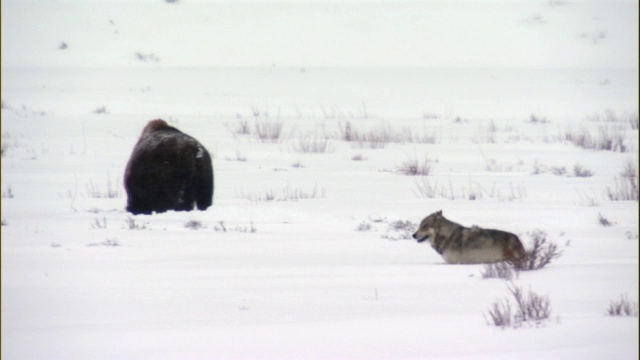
(499, 270)
(529, 309)
(626, 185)
(541, 253)
(623, 307)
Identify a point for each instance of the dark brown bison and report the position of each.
(168, 170)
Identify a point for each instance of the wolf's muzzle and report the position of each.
(415, 236)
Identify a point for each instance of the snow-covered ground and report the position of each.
(298, 257)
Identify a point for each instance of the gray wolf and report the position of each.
(463, 245)
(168, 170)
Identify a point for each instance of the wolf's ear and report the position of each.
(439, 212)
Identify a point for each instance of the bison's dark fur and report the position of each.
(168, 170)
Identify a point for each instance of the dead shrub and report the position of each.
(604, 221)
(131, 224)
(268, 131)
(623, 307)
(530, 308)
(541, 254)
(413, 167)
(608, 138)
(313, 144)
(499, 270)
(194, 224)
(626, 185)
(112, 191)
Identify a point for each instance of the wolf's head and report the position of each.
(429, 227)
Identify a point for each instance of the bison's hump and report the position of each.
(177, 141)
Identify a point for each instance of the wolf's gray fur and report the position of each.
(463, 245)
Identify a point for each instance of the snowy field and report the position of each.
(517, 115)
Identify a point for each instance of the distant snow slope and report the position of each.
(521, 34)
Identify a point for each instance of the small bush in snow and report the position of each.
(474, 191)
(610, 116)
(413, 167)
(588, 200)
(534, 119)
(500, 314)
(246, 229)
(268, 195)
(239, 156)
(107, 242)
(298, 194)
(8, 142)
(538, 168)
(99, 223)
(608, 137)
(364, 226)
(312, 144)
(623, 307)
(579, 171)
(132, 224)
(486, 135)
(112, 190)
(348, 133)
(604, 221)
(7, 194)
(626, 186)
(267, 130)
(370, 144)
(492, 165)
(541, 254)
(426, 138)
(530, 308)
(633, 121)
(148, 57)
(243, 128)
(194, 224)
(287, 194)
(424, 188)
(500, 270)
(221, 227)
(244, 306)
(101, 110)
(379, 137)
